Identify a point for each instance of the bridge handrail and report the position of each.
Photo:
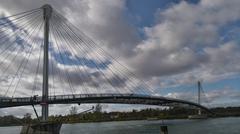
(79, 96)
(68, 96)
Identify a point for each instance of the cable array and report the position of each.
(77, 65)
(111, 76)
(18, 41)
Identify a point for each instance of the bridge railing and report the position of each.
(38, 99)
(62, 97)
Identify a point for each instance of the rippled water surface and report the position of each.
(209, 126)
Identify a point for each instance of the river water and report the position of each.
(209, 126)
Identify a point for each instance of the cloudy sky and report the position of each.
(169, 44)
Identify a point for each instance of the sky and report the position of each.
(169, 44)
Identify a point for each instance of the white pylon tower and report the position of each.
(199, 97)
(47, 12)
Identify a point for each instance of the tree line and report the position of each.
(97, 115)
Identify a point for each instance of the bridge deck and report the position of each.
(98, 98)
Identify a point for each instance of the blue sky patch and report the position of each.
(66, 58)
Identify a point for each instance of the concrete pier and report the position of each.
(41, 128)
(164, 130)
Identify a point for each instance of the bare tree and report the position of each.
(27, 117)
(98, 108)
(73, 110)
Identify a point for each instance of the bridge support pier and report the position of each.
(164, 130)
(41, 128)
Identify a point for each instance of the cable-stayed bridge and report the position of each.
(99, 98)
(44, 54)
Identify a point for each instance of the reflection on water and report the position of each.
(210, 126)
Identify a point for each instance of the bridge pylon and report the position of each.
(44, 127)
(47, 12)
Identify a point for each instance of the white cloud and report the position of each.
(186, 43)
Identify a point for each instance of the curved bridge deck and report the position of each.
(98, 98)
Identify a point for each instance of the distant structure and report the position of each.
(199, 115)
